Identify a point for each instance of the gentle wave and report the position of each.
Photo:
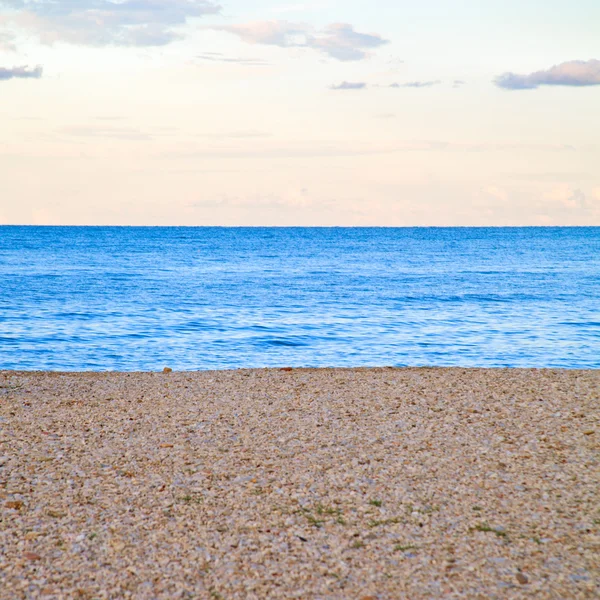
(102, 298)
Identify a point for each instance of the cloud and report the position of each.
(339, 40)
(576, 73)
(254, 150)
(361, 85)
(348, 85)
(458, 83)
(237, 135)
(342, 42)
(415, 84)
(567, 197)
(106, 22)
(120, 133)
(219, 57)
(21, 73)
(394, 62)
(294, 198)
(569, 202)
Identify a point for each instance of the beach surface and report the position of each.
(331, 483)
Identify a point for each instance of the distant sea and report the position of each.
(138, 299)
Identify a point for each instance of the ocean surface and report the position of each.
(133, 299)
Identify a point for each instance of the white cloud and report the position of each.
(21, 73)
(339, 40)
(235, 60)
(576, 73)
(415, 84)
(104, 22)
(349, 85)
(566, 197)
(294, 198)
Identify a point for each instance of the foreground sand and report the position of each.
(362, 483)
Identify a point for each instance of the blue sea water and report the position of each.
(136, 298)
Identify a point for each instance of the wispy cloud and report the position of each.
(576, 73)
(339, 40)
(21, 73)
(567, 198)
(120, 133)
(350, 85)
(317, 149)
(361, 85)
(415, 84)
(222, 58)
(104, 22)
(237, 135)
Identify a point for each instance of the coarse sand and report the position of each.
(330, 483)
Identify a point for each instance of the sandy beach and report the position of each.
(332, 483)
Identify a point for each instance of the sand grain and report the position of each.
(357, 483)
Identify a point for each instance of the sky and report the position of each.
(293, 113)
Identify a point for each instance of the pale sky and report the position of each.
(324, 112)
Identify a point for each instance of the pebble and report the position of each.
(331, 483)
(31, 556)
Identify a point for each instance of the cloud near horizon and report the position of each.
(222, 58)
(575, 73)
(105, 22)
(338, 40)
(415, 84)
(350, 85)
(23, 72)
(361, 85)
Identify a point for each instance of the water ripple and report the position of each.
(103, 298)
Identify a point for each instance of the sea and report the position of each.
(145, 298)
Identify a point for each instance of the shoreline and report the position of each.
(171, 371)
(369, 482)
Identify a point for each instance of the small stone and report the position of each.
(287, 369)
(31, 556)
(167, 370)
(282, 469)
(14, 504)
(589, 432)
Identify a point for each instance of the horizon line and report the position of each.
(308, 226)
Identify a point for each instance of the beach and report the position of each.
(298, 483)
